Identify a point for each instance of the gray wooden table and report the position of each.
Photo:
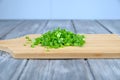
(72, 69)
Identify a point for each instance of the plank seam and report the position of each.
(90, 70)
(45, 25)
(73, 26)
(23, 70)
(11, 30)
(102, 25)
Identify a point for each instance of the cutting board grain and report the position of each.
(97, 46)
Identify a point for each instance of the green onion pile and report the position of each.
(57, 38)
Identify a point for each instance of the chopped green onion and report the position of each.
(58, 38)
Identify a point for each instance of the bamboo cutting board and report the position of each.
(96, 46)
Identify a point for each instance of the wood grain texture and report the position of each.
(64, 24)
(27, 27)
(9, 66)
(105, 69)
(89, 26)
(96, 46)
(56, 69)
(7, 26)
(111, 25)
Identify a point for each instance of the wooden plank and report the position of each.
(53, 24)
(14, 67)
(105, 46)
(27, 27)
(89, 26)
(57, 69)
(7, 26)
(104, 69)
(54, 69)
(111, 25)
(11, 67)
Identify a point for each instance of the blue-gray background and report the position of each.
(59, 9)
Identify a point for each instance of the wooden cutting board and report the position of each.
(97, 46)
